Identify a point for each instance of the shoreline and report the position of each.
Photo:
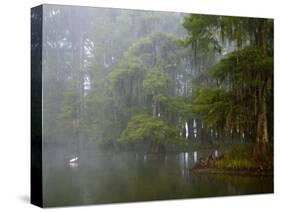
(242, 172)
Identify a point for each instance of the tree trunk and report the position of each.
(261, 150)
(154, 108)
(262, 147)
(262, 133)
(190, 129)
(263, 35)
(156, 147)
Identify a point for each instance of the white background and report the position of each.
(15, 103)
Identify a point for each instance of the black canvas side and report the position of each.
(36, 106)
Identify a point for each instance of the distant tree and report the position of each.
(145, 128)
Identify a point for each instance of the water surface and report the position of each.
(123, 177)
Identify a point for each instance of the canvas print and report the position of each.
(132, 105)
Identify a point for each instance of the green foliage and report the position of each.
(100, 118)
(143, 77)
(237, 157)
(155, 82)
(143, 127)
(176, 105)
(211, 105)
(156, 52)
(243, 66)
(209, 32)
(240, 151)
(200, 30)
(236, 164)
(149, 73)
(243, 73)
